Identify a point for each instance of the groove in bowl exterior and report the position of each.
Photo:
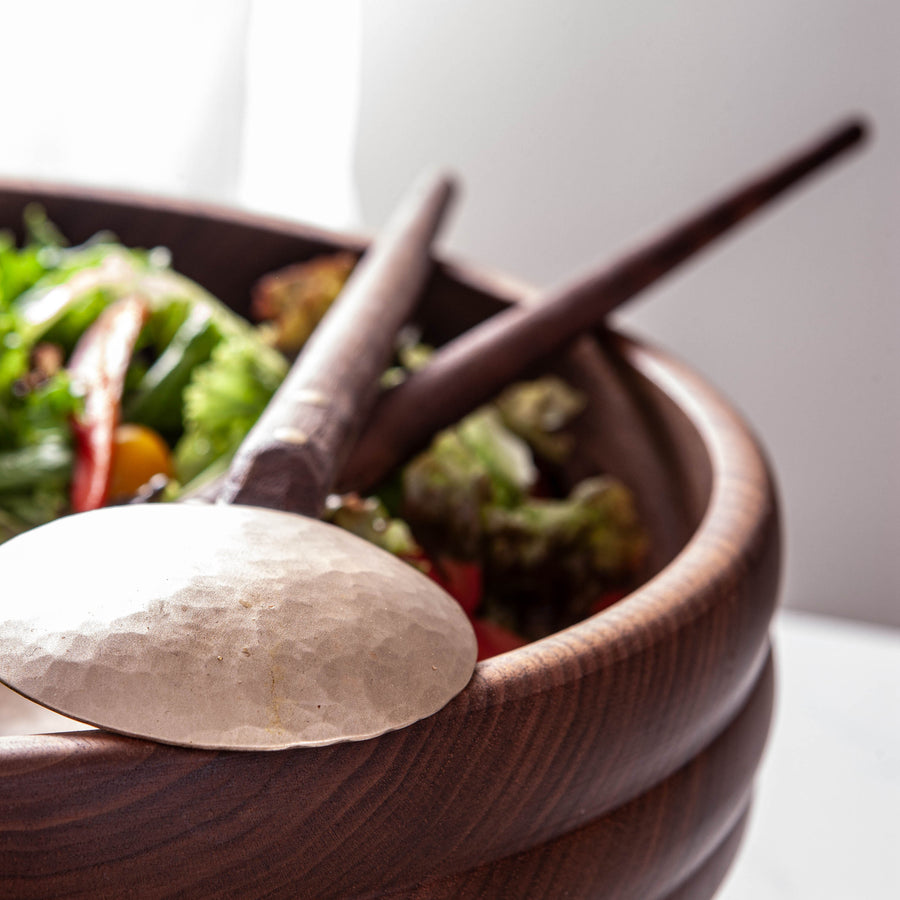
(614, 758)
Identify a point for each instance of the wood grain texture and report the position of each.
(618, 714)
(673, 836)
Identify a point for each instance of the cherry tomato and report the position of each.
(139, 453)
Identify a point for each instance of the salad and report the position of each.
(123, 381)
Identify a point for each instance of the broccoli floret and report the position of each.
(444, 490)
(574, 550)
(595, 529)
(477, 463)
(540, 412)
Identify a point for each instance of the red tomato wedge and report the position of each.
(461, 580)
(494, 639)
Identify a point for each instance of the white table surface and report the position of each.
(826, 818)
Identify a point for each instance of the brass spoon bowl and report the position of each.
(615, 758)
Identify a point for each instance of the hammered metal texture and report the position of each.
(225, 627)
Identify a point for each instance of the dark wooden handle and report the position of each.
(472, 368)
(290, 457)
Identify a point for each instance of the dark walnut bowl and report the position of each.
(612, 759)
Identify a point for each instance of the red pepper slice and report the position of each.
(97, 366)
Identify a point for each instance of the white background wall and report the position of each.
(576, 128)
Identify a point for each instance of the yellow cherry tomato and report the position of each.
(139, 453)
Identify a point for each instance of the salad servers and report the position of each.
(251, 624)
(475, 366)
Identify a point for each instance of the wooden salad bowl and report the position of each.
(612, 759)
